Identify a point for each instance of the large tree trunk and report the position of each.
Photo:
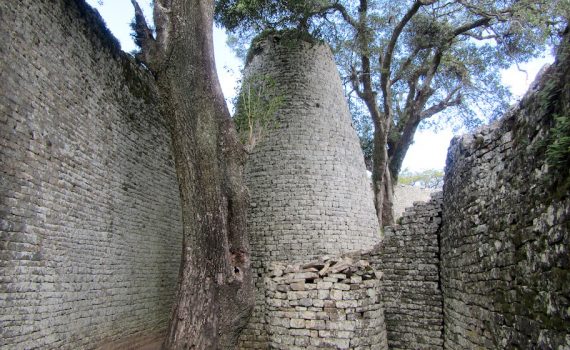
(215, 290)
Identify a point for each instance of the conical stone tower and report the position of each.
(310, 195)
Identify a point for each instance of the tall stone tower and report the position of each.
(310, 195)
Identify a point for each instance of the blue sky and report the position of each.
(429, 149)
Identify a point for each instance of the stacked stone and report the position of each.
(307, 180)
(90, 228)
(505, 236)
(406, 195)
(330, 304)
(411, 293)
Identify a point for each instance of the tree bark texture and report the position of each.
(215, 289)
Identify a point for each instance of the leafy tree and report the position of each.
(430, 178)
(215, 289)
(408, 61)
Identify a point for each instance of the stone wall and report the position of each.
(326, 304)
(310, 195)
(408, 257)
(505, 259)
(89, 214)
(309, 190)
(405, 196)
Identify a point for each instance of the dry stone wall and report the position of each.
(325, 304)
(408, 258)
(505, 258)
(309, 191)
(310, 195)
(90, 232)
(406, 195)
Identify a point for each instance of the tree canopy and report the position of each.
(405, 62)
(430, 178)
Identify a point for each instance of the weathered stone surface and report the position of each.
(89, 207)
(307, 180)
(505, 237)
(409, 260)
(322, 318)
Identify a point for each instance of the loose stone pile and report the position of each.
(327, 304)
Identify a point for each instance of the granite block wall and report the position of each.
(90, 232)
(406, 195)
(310, 195)
(326, 304)
(505, 257)
(309, 191)
(408, 258)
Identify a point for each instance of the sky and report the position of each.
(429, 150)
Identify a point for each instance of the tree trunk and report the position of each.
(388, 203)
(215, 289)
(382, 188)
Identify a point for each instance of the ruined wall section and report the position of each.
(505, 237)
(328, 304)
(408, 258)
(90, 229)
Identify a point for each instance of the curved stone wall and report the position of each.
(332, 304)
(90, 228)
(310, 195)
(505, 237)
(309, 191)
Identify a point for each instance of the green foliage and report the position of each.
(516, 32)
(554, 101)
(256, 107)
(258, 15)
(444, 63)
(558, 151)
(431, 178)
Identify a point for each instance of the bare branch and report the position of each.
(355, 81)
(344, 13)
(452, 99)
(388, 54)
(467, 27)
(480, 37)
(399, 75)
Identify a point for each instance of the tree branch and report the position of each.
(425, 92)
(387, 59)
(480, 37)
(399, 75)
(467, 27)
(144, 39)
(452, 99)
(344, 13)
(355, 82)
